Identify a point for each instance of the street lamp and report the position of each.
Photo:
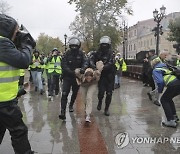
(65, 38)
(125, 28)
(158, 16)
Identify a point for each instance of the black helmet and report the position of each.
(7, 26)
(74, 43)
(105, 40)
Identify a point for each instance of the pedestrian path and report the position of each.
(134, 125)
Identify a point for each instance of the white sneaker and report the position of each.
(88, 118)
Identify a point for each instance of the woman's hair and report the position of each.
(89, 72)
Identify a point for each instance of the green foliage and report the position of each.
(174, 27)
(98, 18)
(46, 43)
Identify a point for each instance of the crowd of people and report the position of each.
(99, 70)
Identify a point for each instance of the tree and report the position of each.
(98, 18)
(46, 43)
(4, 7)
(174, 27)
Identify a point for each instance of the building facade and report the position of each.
(141, 37)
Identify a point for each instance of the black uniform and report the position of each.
(71, 60)
(106, 82)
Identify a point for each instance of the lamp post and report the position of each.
(125, 28)
(158, 16)
(65, 38)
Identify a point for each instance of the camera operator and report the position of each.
(11, 61)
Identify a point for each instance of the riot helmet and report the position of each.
(74, 43)
(105, 43)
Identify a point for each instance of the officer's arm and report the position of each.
(92, 61)
(65, 67)
(109, 64)
(10, 55)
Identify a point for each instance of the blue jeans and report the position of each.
(37, 80)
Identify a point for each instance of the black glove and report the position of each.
(82, 71)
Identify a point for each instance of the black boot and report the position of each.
(106, 110)
(71, 108)
(62, 116)
(106, 113)
(99, 105)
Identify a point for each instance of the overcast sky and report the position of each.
(53, 17)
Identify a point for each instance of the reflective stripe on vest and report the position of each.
(168, 77)
(55, 66)
(22, 72)
(9, 77)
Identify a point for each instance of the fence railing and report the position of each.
(134, 71)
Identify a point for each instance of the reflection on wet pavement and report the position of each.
(131, 112)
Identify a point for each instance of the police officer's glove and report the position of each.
(82, 71)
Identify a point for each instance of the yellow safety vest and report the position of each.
(55, 65)
(34, 65)
(124, 66)
(22, 72)
(168, 77)
(9, 77)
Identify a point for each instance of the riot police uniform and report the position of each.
(72, 59)
(106, 82)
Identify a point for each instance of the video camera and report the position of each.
(24, 37)
(175, 70)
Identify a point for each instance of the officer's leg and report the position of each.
(65, 91)
(75, 88)
(2, 130)
(18, 130)
(108, 99)
(101, 91)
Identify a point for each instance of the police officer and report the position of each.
(72, 59)
(163, 76)
(106, 82)
(11, 60)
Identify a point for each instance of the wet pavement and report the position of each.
(131, 112)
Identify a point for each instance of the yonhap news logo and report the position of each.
(123, 139)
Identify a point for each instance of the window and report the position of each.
(134, 47)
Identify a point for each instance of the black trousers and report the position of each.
(21, 81)
(105, 85)
(54, 84)
(167, 102)
(11, 119)
(68, 83)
